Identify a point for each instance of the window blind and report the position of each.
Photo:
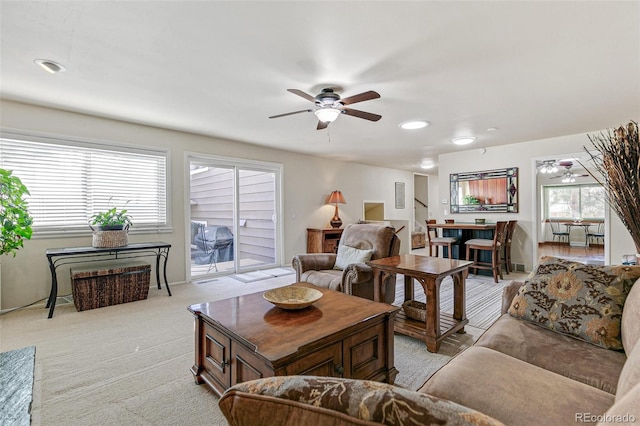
(71, 182)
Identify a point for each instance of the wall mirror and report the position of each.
(490, 191)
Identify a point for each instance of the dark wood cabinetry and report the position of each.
(253, 345)
(323, 240)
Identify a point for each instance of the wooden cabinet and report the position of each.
(363, 354)
(323, 240)
(253, 345)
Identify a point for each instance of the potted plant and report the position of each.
(111, 227)
(111, 220)
(617, 159)
(14, 215)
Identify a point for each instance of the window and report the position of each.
(69, 181)
(574, 201)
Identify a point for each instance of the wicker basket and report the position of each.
(110, 238)
(415, 310)
(110, 283)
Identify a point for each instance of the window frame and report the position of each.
(545, 201)
(81, 142)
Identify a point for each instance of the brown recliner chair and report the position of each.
(356, 278)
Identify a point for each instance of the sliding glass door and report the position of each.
(233, 211)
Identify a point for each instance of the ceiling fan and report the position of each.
(329, 105)
(567, 176)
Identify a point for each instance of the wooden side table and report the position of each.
(429, 272)
(323, 240)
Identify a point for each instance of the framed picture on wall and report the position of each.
(399, 195)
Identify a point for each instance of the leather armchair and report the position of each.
(356, 278)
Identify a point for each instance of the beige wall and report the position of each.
(522, 155)
(307, 182)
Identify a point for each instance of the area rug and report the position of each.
(16, 386)
(483, 298)
(264, 274)
(415, 364)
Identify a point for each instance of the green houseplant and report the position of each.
(111, 220)
(14, 214)
(617, 159)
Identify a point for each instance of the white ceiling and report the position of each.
(533, 70)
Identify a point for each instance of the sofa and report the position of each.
(564, 351)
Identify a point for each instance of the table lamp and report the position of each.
(336, 198)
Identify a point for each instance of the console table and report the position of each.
(73, 255)
(323, 240)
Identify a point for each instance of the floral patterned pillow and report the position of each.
(584, 301)
(339, 401)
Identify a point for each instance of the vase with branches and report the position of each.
(617, 159)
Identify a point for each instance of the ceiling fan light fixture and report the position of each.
(49, 66)
(548, 168)
(327, 114)
(465, 140)
(414, 124)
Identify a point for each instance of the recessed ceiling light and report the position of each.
(49, 65)
(492, 129)
(414, 125)
(463, 140)
(427, 164)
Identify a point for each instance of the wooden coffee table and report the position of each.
(246, 338)
(429, 272)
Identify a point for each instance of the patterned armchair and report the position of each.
(347, 271)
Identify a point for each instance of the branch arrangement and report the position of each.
(617, 159)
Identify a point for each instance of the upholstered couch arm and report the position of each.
(312, 261)
(310, 400)
(357, 274)
(508, 293)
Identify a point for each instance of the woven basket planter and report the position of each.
(110, 238)
(415, 310)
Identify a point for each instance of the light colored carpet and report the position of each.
(129, 364)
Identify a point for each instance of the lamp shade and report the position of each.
(336, 197)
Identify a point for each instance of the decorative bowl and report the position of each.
(448, 220)
(479, 221)
(292, 297)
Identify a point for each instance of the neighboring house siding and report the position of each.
(212, 201)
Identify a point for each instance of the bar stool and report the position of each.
(434, 241)
(506, 256)
(494, 246)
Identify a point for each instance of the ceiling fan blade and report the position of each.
(302, 94)
(290, 113)
(362, 114)
(365, 96)
(322, 125)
